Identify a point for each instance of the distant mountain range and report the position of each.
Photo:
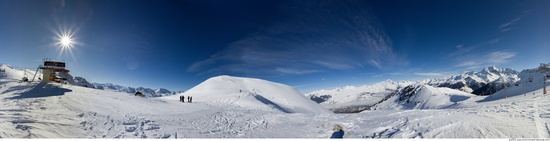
(425, 96)
(9, 71)
(79, 81)
(147, 91)
(355, 99)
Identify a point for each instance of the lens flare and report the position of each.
(65, 40)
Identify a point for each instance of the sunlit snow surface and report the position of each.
(66, 111)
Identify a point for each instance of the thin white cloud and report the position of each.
(507, 26)
(333, 65)
(375, 64)
(479, 60)
(318, 35)
(467, 64)
(500, 57)
(394, 73)
(428, 74)
(295, 71)
(476, 55)
(466, 49)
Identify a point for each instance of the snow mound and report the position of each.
(251, 93)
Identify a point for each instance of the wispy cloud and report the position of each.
(468, 49)
(481, 54)
(295, 71)
(428, 74)
(318, 35)
(493, 58)
(507, 26)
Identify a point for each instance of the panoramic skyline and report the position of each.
(308, 45)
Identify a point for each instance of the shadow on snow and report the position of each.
(271, 103)
(42, 90)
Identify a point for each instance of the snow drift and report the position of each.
(251, 93)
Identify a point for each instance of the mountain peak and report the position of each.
(490, 69)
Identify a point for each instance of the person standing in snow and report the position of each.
(338, 132)
(190, 99)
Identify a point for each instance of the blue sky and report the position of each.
(307, 44)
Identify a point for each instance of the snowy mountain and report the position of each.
(350, 99)
(419, 96)
(484, 82)
(131, 90)
(355, 99)
(424, 96)
(251, 93)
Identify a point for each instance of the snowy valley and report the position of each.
(238, 107)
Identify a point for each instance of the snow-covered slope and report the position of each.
(423, 96)
(251, 93)
(353, 99)
(420, 96)
(67, 111)
(18, 74)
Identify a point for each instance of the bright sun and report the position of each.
(66, 41)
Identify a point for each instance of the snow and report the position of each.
(251, 93)
(428, 97)
(236, 107)
(352, 96)
(350, 99)
(18, 74)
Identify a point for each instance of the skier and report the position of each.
(338, 132)
(190, 99)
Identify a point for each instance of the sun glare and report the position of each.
(66, 41)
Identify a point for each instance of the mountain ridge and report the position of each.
(484, 82)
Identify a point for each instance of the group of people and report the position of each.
(189, 99)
